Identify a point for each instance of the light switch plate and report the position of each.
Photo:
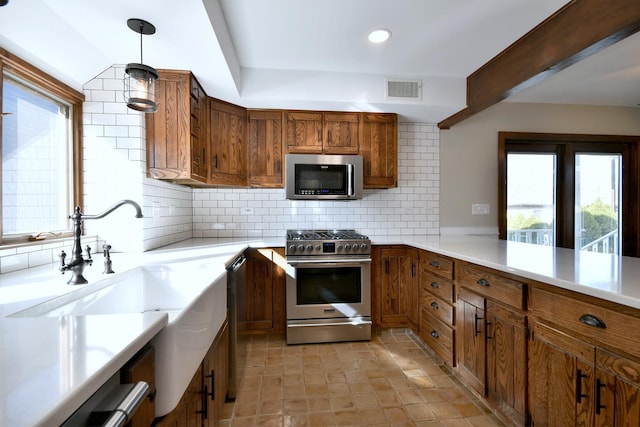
(480, 209)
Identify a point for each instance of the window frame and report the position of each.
(565, 146)
(23, 70)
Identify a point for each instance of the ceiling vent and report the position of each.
(405, 90)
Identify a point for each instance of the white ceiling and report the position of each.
(312, 54)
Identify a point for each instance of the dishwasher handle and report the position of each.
(120, 405)
(237, 264)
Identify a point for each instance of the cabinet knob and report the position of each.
(435, 285)
(435, 334)
(434, 305)
(435, 264)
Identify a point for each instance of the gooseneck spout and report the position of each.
(77, 263)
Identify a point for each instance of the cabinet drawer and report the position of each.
(438, 336)
(436, 264)
(588, 318)
(491, 285)
(438, 308)
(442, 288)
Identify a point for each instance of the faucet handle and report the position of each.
(89, 260)
(62, 255)
(107, 259)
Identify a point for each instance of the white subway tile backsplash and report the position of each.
(410, 209)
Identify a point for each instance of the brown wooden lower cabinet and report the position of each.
(263, 303)
(580, 372)
(396, 287)
(506, 342)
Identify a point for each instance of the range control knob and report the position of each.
(292, 248)
(347, 247)
(309, 248)
(338, 248)
(363, 246)
(300, 248)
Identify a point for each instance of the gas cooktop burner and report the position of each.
(324, 235)
(327, 243)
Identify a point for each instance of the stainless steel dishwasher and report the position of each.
(236, 283)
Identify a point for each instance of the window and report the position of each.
(572, 191)
(41, 152)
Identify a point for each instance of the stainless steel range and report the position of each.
(328, 296)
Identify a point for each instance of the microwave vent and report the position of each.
(404, 89)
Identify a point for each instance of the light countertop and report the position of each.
(50, 365)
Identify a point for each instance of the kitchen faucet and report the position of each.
(77, 261)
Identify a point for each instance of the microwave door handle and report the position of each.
(351, 180)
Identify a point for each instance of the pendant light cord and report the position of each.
(141, 29)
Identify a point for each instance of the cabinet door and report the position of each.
(228, 162)
(194, 402)
(304, 132)
(142, 368)
(257, 312)
(561, 379)
(399, 290)
(168, 131)
(215, 371)
(617, 390)
(379, 150)
(341, 133)
(471, 347)
(199, 159)
(506, 336)
(266, 148)
(221, 377)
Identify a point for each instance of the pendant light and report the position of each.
(140, 79)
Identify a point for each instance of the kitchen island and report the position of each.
(41, 360)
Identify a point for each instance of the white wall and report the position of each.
(469, 153)
(115, 169)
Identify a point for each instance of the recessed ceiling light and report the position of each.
(379, 36)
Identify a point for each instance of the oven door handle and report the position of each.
(303, 325)
(328, 262)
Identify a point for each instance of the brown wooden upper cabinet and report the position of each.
(310, 132)
(266, 148)
(228, 161)
(379, 150)
(201, 141)
(176, 133)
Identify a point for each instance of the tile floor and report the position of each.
(388, 381)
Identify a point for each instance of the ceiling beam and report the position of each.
(577, 30)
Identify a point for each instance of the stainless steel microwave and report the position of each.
(318, 177)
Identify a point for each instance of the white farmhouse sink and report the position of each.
(193, 294)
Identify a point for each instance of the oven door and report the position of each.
(329, 289)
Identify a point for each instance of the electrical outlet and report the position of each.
(480, 209)
(156, 210)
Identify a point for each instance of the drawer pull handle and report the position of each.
(435, 264)
(434, 305)
(482, 282)
(435, 285)
(591, 320)
(579, 393)
(435, 334)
